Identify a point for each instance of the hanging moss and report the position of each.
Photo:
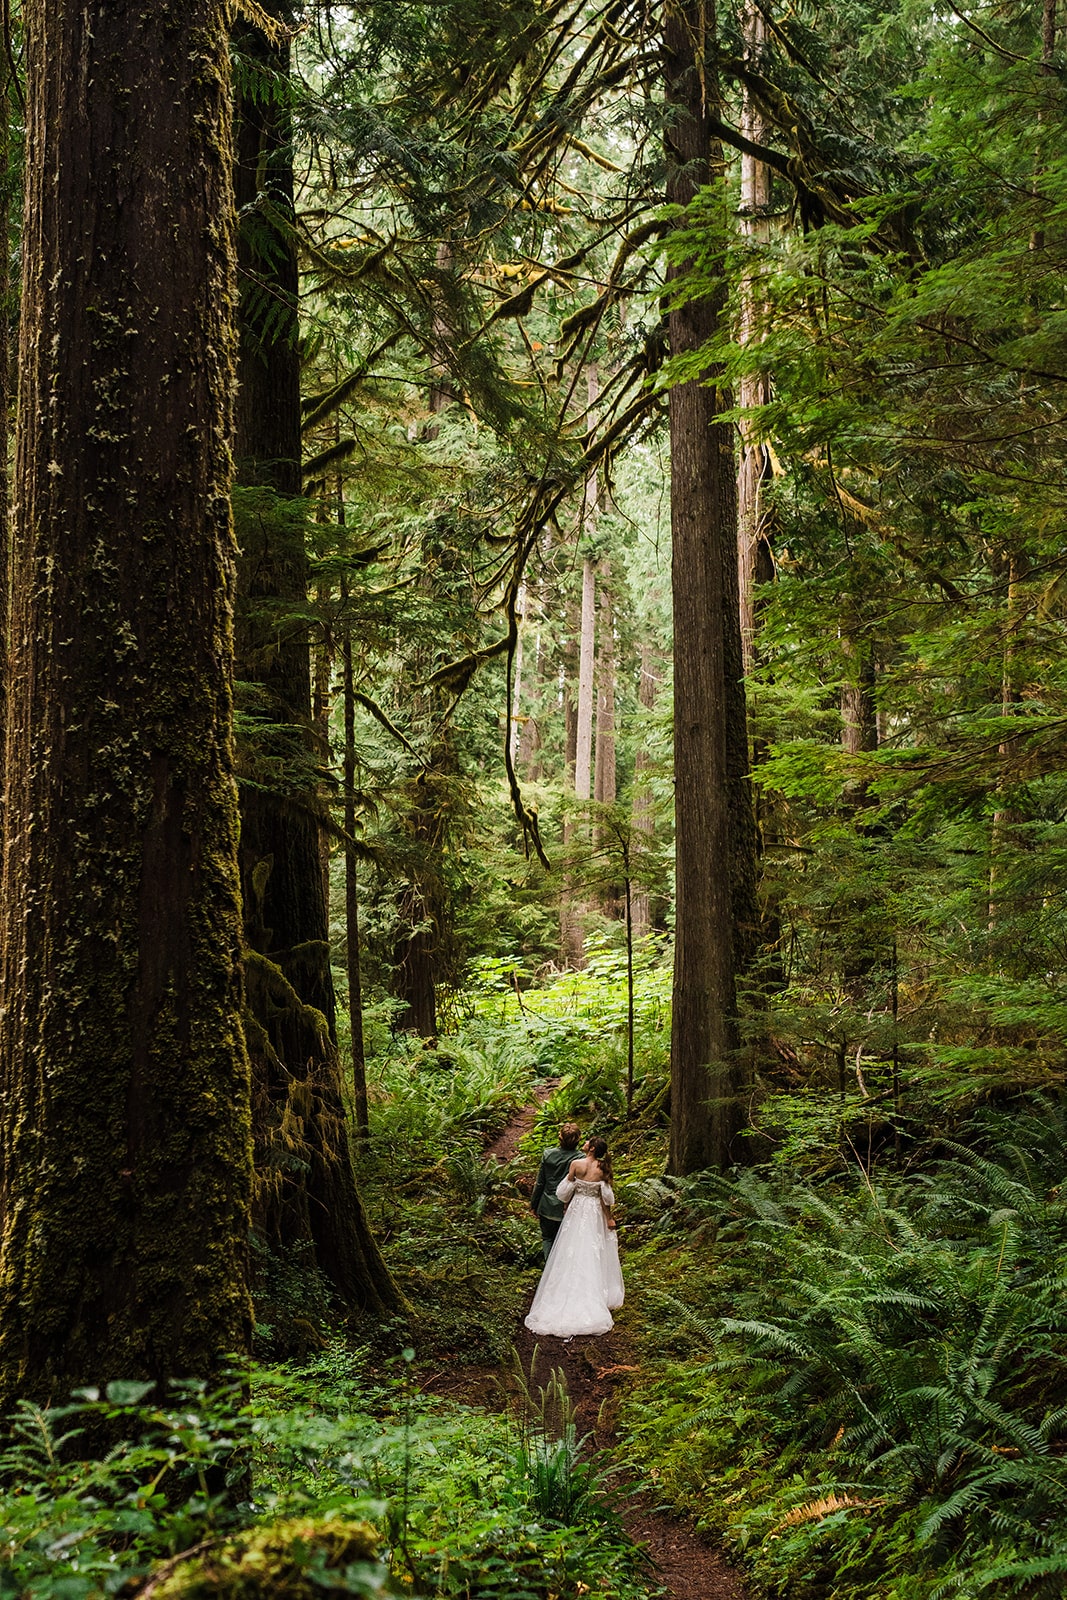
(305, 1189)
(282, 1561)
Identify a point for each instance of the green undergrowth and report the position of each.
(851, 1373)
(455, 1225)
(452, 1222)
(860, 1385)
(573, 1028)
(335, 1477)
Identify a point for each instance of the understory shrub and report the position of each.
(300, 1482)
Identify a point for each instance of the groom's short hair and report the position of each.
(569, 1135)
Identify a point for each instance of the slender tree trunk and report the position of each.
(322, 674)
(126, 1149)
(355, 975)
(570, 912)
(605, 783)
(568, 685)
(859, 718)
(416, 949)
(753, 469)
(715, 830)
(628, 907)
(859, 735)
(604, 773)
(515, 725)
(1005, 818)
(641, 904)
(529, 746)
(583, 753)
(300, 1126)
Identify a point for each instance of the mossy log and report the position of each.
(281, 1561)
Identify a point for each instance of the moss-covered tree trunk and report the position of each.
(5, 406)
(716, 919)
(126, 1151)
(306, 1190)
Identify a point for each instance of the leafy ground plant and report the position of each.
(347, 1481)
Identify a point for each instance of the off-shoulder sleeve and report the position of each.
(565, 1189)
(607, 1193)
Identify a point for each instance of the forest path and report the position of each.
(686, 1564)
(506, 1147)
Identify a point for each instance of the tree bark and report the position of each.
(604, 784)
(604, 771)
(640, 900)
(527, 755)
(348, 779)
(754, 468)
(5, 406)
(571, 937)
(126, 1150)
(583, 750)
(716, 923)
(416, 949)
(306, 1189)
(515, 722)
(1005, 818)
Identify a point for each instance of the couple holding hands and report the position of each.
(573, 1199)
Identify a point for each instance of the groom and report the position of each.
(555, 1164)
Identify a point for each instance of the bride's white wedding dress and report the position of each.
(582, 1281)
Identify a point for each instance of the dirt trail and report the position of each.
(507, 1146)
(595, 1369)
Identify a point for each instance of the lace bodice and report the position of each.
(598, 1191)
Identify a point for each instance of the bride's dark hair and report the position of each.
(600, 1151)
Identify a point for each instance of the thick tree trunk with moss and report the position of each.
(5, 407)
(716, 918)
(126, 1150)
(305, 1186)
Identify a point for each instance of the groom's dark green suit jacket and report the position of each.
(555, 1164)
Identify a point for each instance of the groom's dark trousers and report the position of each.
(555, 1164)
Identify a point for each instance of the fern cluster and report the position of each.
(883, 1410)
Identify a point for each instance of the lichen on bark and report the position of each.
(125, 1107)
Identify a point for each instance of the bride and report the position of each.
(582, 1281)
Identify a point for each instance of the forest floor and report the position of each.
(595, 1369)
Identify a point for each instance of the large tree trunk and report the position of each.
(126, 1150)
(306, 1189)
(5, 406)
(716, 918)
